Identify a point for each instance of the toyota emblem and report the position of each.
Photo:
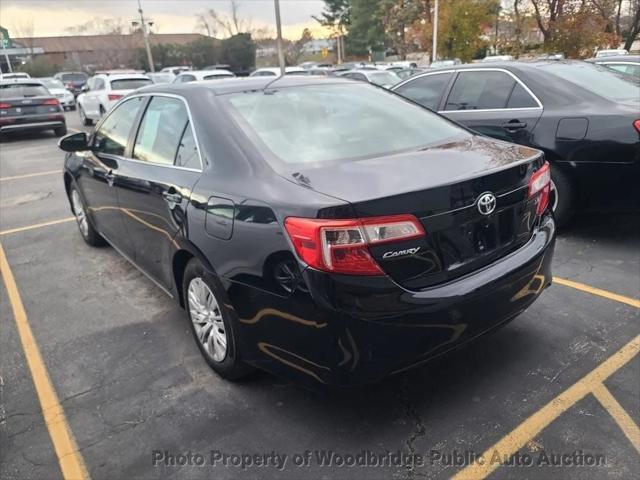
(487, 203)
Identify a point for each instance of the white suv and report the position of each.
(103, 91)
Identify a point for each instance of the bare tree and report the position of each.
(26, 31)
(547, 14)
(634, 27)
(100, 26)
(230, 24)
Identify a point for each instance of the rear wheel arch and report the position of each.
(67, 182)
(179, 262)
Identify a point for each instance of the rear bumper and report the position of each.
(358, 330)
(35, 122)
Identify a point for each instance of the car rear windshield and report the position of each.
(73, 77)
(384, 78)
(130, 83)
(323, 123)
(52, 83)
(218, 76)
(599, 80)
(19, 90)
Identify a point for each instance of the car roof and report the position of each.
(20, 81)
(122, 76)
(244, 84)
(201, 73)
(277, 69)
(506, 65)
(615, 58)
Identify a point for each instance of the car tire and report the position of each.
(211, 322)
(563, 196)
(89, 234)
(60, 131)
(87, 122)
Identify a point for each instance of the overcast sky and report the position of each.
(52, 17)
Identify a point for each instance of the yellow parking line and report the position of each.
(597, 291)
(533, 425)
(69, 458)
(619, 414)
(37, 225)
(29, 175)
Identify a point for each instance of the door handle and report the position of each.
(514, 125)
(172, 197)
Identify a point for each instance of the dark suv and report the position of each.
(28, 105)
(73, 81)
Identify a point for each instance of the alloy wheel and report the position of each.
(81, 215)
(206, 317)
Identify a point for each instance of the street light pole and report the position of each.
(434, 49)
(276, 4)
(145, 35)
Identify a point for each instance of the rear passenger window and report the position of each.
(520, 98)
(480, 90)
(112, 136)
(427, 90)
(188, 150)
(160, 131)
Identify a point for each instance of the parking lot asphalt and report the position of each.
(111, 385)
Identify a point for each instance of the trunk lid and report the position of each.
(17, 107)
(442, 187)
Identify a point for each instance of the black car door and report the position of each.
(99, 177)
(156, 184)
(495, 103)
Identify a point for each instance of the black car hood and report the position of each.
(462, 159)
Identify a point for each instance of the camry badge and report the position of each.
(398, 253)
(487, 203)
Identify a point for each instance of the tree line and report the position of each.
(466, 28)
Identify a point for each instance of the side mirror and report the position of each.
(76, 142)
(85, 88)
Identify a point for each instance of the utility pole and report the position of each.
(434, 49)
(276, 4)
(144, 25)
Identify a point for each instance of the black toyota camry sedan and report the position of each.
(317, 228)
(585, 117)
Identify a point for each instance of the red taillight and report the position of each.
(540, 187)
(341, 246)
(51, 101)
(637, 125)
(114, 96)
(4, 106)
